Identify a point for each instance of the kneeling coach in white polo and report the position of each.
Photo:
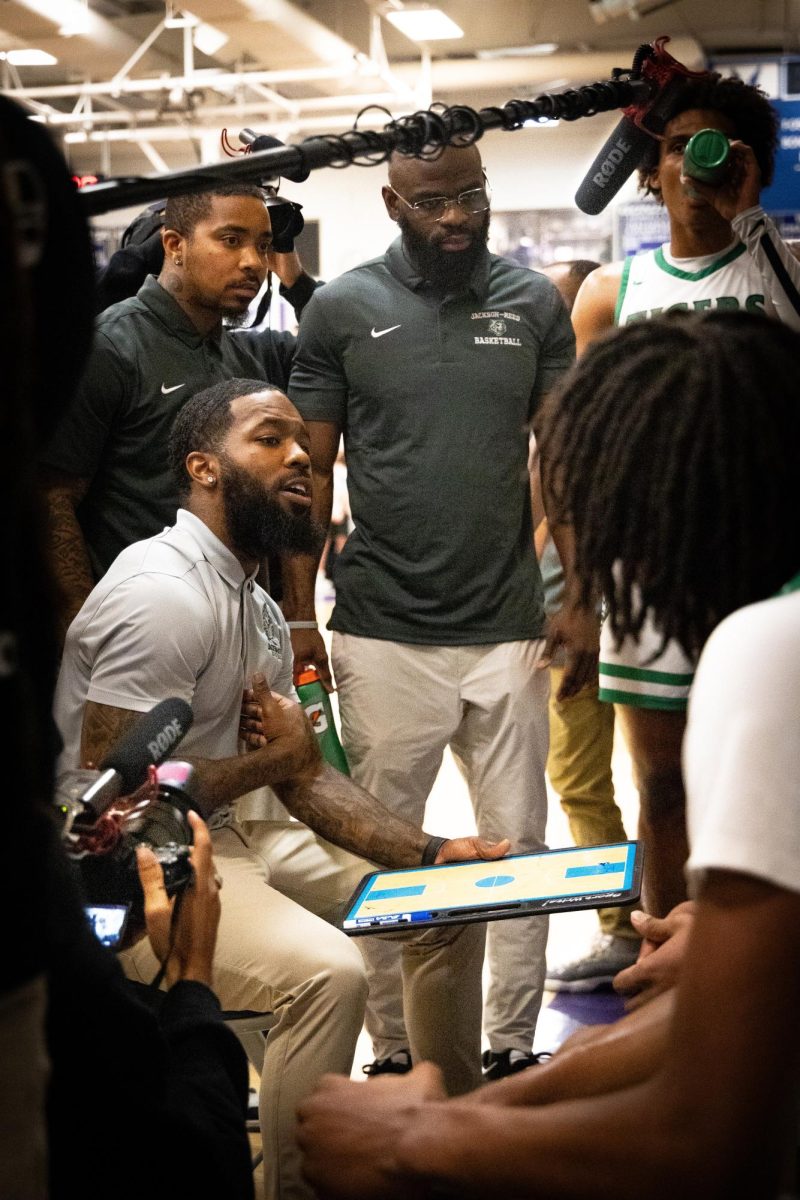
(180, 614)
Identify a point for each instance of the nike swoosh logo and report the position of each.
(165, 391)
(381, 332)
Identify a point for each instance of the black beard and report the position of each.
(446, 269)
(258, 524)
(235, 320)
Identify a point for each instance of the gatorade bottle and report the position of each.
(707, 156)
(316, 702)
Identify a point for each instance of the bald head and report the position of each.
(408, 172)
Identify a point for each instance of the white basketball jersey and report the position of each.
(655, 282)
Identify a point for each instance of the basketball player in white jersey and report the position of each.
(723, 252)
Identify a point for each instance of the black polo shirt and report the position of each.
(147, 360)
(435, 395)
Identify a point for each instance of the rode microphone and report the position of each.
(124, 768)
(627, 146)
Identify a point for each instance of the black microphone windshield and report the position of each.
(151, 740)
(615, 163)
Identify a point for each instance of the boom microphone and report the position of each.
(150, 741)
(627, 146)
(616, 162)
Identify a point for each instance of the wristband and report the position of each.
(431, 850)
(302, 625)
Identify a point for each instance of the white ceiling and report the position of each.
(295, 67)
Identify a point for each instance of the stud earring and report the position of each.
(178, 262)
(211, 479)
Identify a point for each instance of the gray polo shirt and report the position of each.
(147, 360)
(435, 395)
(176, 616)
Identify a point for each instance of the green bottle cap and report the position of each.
(706, 156)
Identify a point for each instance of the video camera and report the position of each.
(137, 797)
(286, 216)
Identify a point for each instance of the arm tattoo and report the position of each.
(103, 726)
(343, 813)
(328, 802)
(69, 555)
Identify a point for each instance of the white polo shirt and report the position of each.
(175, 615)
(741, 760)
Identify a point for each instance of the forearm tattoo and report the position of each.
(343, 813)
(69, 555)
(103, 726)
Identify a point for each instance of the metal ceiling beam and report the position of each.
(224, 81)
(134, 117)
(182, 133)
(102, 35)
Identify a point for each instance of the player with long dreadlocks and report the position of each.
(724, 252)
(716, 526)
(694, 1094)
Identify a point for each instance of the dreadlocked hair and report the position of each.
(203, 423)
(671, 448)
(182, 213)
(747, 108)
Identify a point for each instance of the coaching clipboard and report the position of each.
(518, 886)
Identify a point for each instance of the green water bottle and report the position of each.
(317, 704)
(707, 157)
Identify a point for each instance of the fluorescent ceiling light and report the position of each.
(69, 15)
(76, 20)
(208, 39)
(539, 49)
(30, 58)
(424, 24)
(604, 10)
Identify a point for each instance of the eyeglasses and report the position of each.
(476, 200)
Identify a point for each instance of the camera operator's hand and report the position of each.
(291, 748)
(195, 934)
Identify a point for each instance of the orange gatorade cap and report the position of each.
(307, 674)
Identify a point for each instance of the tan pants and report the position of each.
(579, 766)
(400, 706)
(276, 952)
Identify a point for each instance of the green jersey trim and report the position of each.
(692, 276)
(641, 673)
(639, 700)
(623, 287)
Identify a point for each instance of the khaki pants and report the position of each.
(276, 952)
(400, 706)
(579, 766)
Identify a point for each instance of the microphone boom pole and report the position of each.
(418, 134)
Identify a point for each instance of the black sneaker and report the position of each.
(497, 1064)
(398, 1063)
